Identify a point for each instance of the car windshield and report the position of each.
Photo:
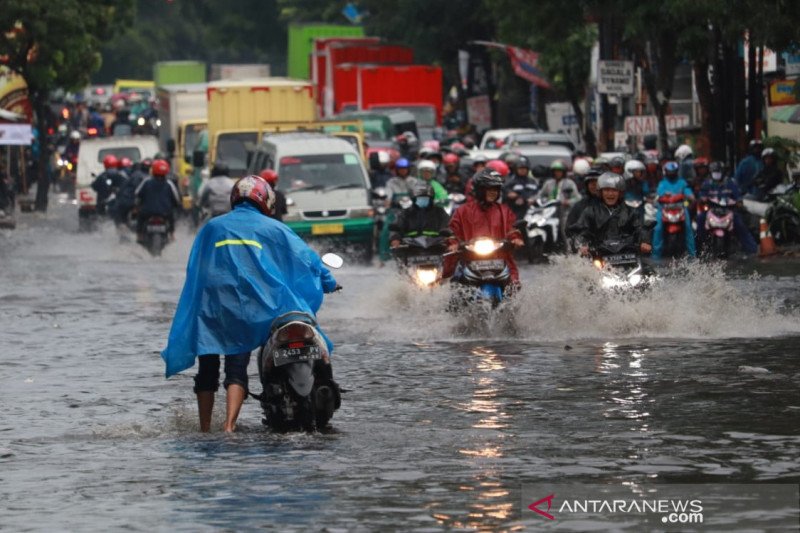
(192, 134)
(542, 140)
(232, 150)
(424, 116)
(131, 152)
(323, 171)
(375, 130)
(545, 160)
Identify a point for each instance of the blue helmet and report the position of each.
(402, 163)
(671, 170)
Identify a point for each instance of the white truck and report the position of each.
(183, 113)
(239, 71)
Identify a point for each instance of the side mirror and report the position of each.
(171, 147)
(198, 158)
(332, 260)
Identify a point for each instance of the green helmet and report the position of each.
(558, 165)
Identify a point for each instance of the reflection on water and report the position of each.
(438, 430)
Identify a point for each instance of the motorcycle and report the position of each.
(621, 265)
(295, 371)
(156, 235)
(454, 201)
(784, 218)
(673, 216)
(67, 172)
(719, 225)
(422, 259)
(483, 271)
(543, 220)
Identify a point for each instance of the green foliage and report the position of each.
(56, 43)
(787, 151)
(234, 31)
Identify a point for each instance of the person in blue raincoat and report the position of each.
(245, 269)
(672, 184)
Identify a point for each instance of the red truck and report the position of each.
(334, 52)
(414, 88)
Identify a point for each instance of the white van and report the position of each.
(326, 186)
(90, 162)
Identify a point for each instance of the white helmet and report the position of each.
(682, 152)
(383, 157)
(75, 135)
(426, 164)
(580, 167)
(630, 166)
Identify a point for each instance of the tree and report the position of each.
(564, 39)
(52, 44)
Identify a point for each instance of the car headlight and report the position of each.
(362, 212)
(289, 202)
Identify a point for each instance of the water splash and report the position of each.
(563, 301)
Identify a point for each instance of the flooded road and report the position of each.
(695, 382)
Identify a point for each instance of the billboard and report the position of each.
(14, 97)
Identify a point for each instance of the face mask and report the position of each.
(716, 176)
(422, 201)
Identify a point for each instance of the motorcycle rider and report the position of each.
(610, 218)
(652, 175)
(685, 158)
(157, 196)
(636, 186)
(280, 199)
(216, 192)
(769, 176)
(718, 187)
(592, 196)
(520, 191)
(424, 217)
(242, 256)
(486, 217)
(749, 167)
(126, 197)
(616, 165)
(671, 184)
(397, 188)
(108, 182)
(73, 146)
(451, 163)
(379, 174)
(426, 173)
(478, 163)
(560, 187)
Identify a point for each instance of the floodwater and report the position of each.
(693, 382)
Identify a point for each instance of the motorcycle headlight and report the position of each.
(635, 279)
(426, 276)
(483, 247)
(598, 263)
(158, 123)
(140, 121)
(549, 212)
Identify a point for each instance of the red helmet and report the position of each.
(159, 168)
(256, 190)
(450, 159)
(498, 166)
(271, 176)
(701, 162)
(125, 162)
(110, 161)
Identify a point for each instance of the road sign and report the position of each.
(615, 77)
(641, 125)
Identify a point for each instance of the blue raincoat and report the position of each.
(244, 271)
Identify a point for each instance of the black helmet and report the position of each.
(592, 174)
(616, 162)
(219, 169)
(523, 162)
(422, 188)
(716, 166)
(487, 179)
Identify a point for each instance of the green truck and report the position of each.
(178, 72)
(301, 44)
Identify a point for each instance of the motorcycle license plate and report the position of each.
(327, 229)
(621, 258)
(284, 356)
(424, 259)
(488, 264)
(156, 229)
